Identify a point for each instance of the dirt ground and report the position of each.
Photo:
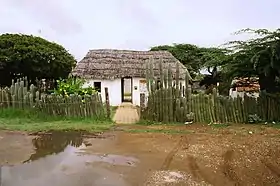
(204, 155)
(15, 147)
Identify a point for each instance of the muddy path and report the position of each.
(226, 156)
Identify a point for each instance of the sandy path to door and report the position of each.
(126, 114)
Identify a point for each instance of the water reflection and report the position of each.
(54, 142)
(60, 160)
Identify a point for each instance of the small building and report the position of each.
(245, 86)
(123, 72)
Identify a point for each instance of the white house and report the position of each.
(244, 86)
(123, 72)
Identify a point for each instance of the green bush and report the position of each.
(73, 86)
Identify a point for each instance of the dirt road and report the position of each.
(240, 155)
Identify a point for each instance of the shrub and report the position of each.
(73, 86)
(254, 118)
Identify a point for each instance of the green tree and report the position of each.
(187, 54)
(259, 56)
(32, 57)
(197, 58)
(212, 57)
(214, 60)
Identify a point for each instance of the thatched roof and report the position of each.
(112, 64)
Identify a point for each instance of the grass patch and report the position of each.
(164, 131)
(113, 110)
(220, 125)
(148, 122)
(34, 121)
(276, 125)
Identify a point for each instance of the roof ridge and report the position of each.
(118, 61)
(127, 50)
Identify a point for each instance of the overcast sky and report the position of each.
(135, 24)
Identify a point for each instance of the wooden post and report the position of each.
(142, 101)
(142, 104)
(107, 103)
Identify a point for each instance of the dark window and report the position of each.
(97, 86)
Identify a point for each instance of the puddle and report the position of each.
(54, 142)
(60, 159)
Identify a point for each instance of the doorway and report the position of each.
(126, 86)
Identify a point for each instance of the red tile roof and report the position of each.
(246, 85)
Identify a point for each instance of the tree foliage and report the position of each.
(196, 58)
(213, 57)
(259, 56)
(32, 57)
(187, 54)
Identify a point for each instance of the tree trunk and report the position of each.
(268, 83)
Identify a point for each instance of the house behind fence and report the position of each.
(123, 72)
(245, 86)
(172, 103)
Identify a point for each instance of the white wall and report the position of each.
(114, 90)
(115, 93)
(136, 93)
(234, 94)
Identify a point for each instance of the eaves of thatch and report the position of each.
(113, 64)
